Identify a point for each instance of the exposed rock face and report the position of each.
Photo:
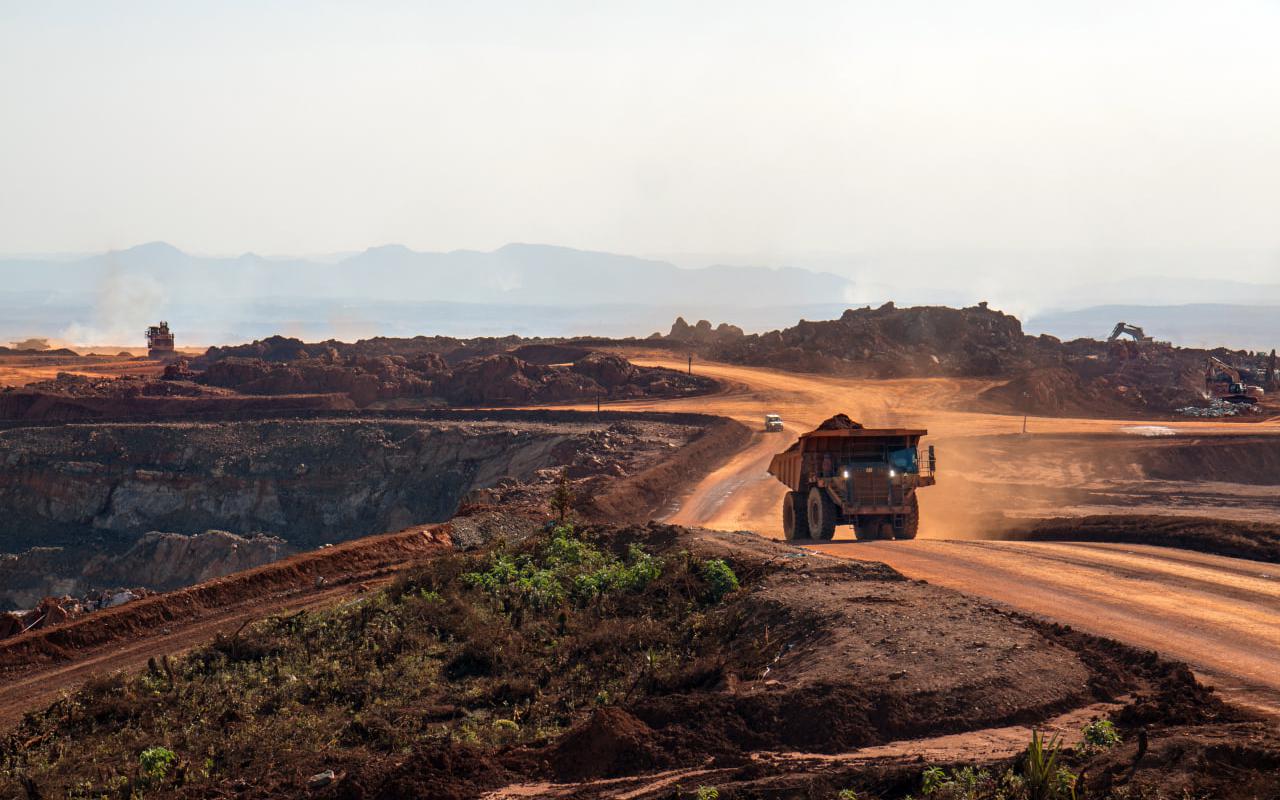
(168, 560)
(702, 332)
(158, 561)
(83, 502)
(310, 482)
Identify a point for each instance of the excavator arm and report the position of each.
(1122, 328)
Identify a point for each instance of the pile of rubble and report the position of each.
(1218, 408)
(53, 610)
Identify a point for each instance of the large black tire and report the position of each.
(822, 514)
(795, 522)
(911, 525)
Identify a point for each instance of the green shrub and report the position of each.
(720, 579)
(1043, 778)
(1099, 735)
(526, 639)
(565, 566)
(156, 762)
(968, 783)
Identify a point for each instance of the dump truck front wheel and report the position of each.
(795, 523)
(911, 523)
(822, 514)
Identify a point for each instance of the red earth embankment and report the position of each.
(264, 587)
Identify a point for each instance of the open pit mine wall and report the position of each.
(309, 482)
(326, 478)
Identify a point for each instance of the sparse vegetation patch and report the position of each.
(472, 653)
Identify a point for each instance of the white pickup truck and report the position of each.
(772, 422)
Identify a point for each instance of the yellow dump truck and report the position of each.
(845, 474)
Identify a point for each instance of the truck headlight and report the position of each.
(892, 474)
(846, 473)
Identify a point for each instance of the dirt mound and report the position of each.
(445, 770)
(840, 422)
(1251, 540)
(73, 397)
(1219, 761)
(490, 379)
(1052, 391)
(548, 354)
(1248, 460)
(612, 742)
(1047, 376)
(284, 349)
(889, 342)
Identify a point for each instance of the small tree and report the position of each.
(563, 498)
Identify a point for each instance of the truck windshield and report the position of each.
(905, 460)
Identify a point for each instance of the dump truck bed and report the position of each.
(861, 445)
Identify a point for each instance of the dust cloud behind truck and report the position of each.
(845, 474)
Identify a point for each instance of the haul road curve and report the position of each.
(1221, 615)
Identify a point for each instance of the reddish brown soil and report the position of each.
(643, 496)
(1252, 540)
(38, 664)
(35, 405)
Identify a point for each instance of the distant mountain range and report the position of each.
(391, 289)
(517, 274)
(532, 289)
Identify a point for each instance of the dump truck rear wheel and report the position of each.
(795, 523)
(911, 524)
(822, 515)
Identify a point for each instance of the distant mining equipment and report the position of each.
(160, 343)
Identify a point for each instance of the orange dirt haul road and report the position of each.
(1221, 615)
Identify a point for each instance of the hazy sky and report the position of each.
(765, 130)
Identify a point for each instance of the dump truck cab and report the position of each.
(772, 423)
(845, 474)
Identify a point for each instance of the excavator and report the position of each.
(1224, 382)
(1122, 328)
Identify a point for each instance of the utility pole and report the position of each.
(691, 363)
(1024, 424)
(597, 402)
